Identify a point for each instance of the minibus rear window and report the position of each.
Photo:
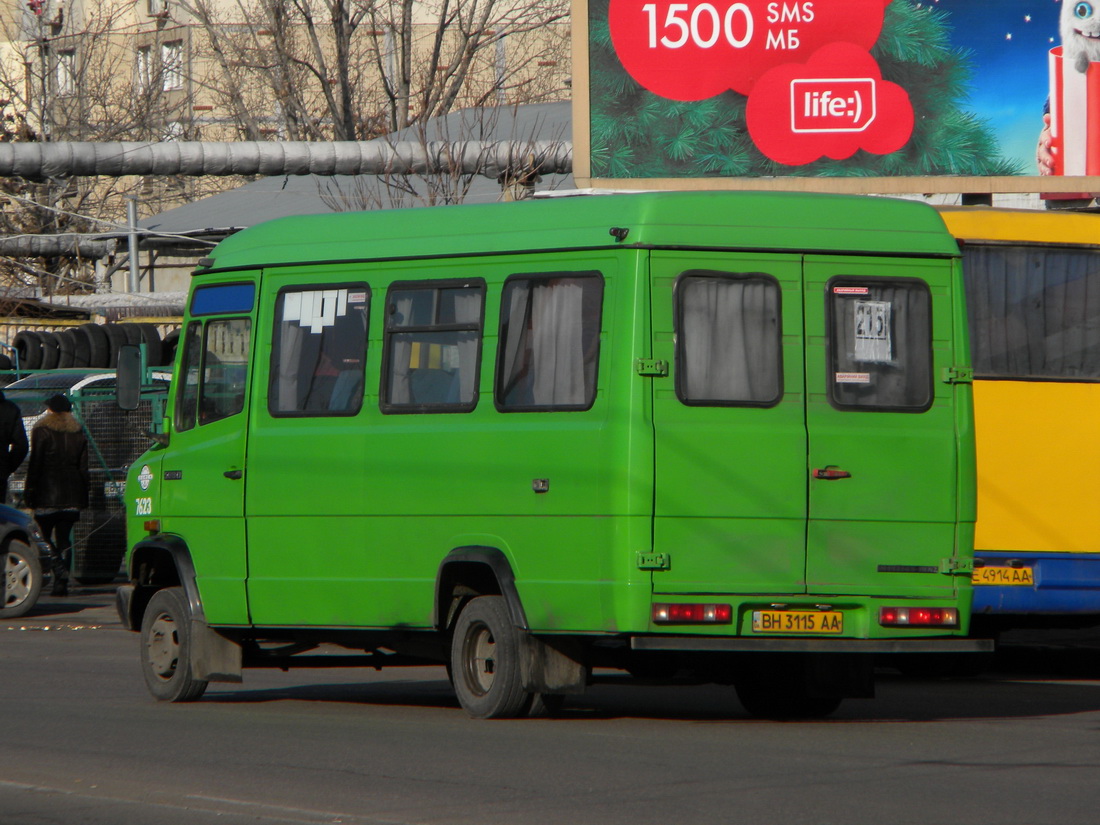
(880, 344)
(729, 345)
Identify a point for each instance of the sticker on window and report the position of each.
(853, 378)
(872, 334)
(851, 290)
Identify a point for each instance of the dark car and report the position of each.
(115, 438)
(25, 555)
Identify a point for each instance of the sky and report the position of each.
(1009, 41)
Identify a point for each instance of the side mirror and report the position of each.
(129, 375)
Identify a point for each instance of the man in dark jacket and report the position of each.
(13, 443)
(57, 481)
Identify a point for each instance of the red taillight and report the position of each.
(692, 614)
(918, 617)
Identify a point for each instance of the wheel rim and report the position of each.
(480, 659)
(17, 580)
(163, 647)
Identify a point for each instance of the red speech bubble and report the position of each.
(700, 48)
(833, 106)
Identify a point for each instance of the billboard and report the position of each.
(873, 95)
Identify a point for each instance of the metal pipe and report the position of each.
(492, 159)
(133, 282)
(55, 246)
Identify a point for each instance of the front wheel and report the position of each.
(485, 665)
(166, 648)
(22, 581)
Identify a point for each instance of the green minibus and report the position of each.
(711, 436)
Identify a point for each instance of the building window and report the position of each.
(143, 68)
(171, 58)
(66, 73)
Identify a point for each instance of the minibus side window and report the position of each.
(214, 370)
(728, 336)
(1034, 311)
(549, 341)
(187, 401)
(880, 344)
(319, 351)
(432, 349)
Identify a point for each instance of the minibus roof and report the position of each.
(984, 223)
(764, 221)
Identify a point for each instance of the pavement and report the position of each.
(85, 608)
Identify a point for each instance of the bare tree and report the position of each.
(484, 125)
(355, 69)
(72, 72)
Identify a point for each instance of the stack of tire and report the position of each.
(92, 345)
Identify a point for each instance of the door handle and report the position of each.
(234, 474)
(831, 473)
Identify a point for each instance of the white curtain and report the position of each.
(557, 358)
(729, 340)
(544, 362)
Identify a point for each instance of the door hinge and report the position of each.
(957, 567)
(651, 366)
(654, 561)
(958, 375)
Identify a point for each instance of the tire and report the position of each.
(98, 347)
(166, 648)
(150, 336)
(28, 344)
(784, 702)
(132, 332)
(50, 350)
(66, 346)
(22, 583)
(485, 651)
(116, 337)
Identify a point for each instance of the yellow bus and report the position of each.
(1033, 303)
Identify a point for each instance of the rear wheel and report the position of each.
(22, 582)
(485, 651)
(166, 648)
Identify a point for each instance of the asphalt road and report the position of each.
(82, 742)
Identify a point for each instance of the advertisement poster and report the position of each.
(839, 88)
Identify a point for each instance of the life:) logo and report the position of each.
(832, 104)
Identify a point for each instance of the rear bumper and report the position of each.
(741, 644)
(1065, 583)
